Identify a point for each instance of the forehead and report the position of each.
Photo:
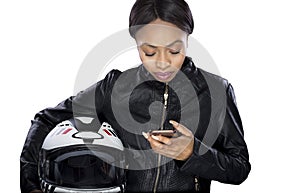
(159, 35)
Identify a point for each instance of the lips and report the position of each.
(163, 75)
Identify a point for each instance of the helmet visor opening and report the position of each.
(83, 167)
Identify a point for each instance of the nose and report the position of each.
(163, 61)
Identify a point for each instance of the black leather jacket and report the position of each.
(220, 152)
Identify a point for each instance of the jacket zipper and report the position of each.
(196, 184)
(166, 95)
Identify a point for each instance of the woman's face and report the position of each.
(162, 49)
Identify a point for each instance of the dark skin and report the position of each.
(179, 148)
(162, 55)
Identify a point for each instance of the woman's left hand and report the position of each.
(179, 148)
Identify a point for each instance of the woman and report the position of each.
(200, 106)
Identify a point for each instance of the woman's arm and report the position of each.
(83, 104)
(227, 160)
(42, 124)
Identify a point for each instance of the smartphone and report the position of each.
(165, 133)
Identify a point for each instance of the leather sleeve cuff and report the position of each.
(200, 160)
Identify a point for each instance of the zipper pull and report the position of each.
(196, 184)
(166, 95)
(165, 100)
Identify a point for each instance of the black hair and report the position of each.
(176, 12)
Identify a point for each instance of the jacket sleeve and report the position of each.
(83, 104)
(227, 161)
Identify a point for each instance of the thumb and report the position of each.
(181, 128)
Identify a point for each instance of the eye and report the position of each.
(177, 52)
(149, 54)
(174, 51)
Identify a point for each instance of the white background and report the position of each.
(254, 43)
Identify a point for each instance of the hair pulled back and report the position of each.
(176, 12)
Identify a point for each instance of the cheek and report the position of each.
(148, 64)
(178, 61)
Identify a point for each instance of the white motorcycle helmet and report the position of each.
(81, 156)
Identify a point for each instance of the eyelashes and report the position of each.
(149, 55)
(175, 52)
(152, 54)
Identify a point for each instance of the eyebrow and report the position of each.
(169, 45)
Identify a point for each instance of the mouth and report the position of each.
(163, 75)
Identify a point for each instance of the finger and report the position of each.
(146, 135)
(175, 151)
(163, 149)
(170, 152)
(181, 128)
(162, 139)
(155, 144)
